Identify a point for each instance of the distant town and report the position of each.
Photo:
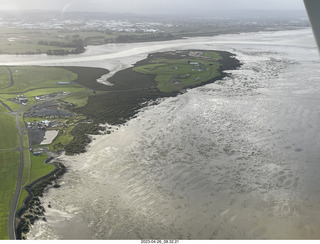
(85, 21)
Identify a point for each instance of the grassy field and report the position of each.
(4, 77)
(37, 170)
(44, 91)
(183, 69)
(26, 167)
(35, 41)
(9, 166)
(78, 99)
(31, 81)
(12, 105)
(29, 78)
(3, 109)
(64, 138)
(9, 133)
(21, 41)
(94, 101)
(24, 41)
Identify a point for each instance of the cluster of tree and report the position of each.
(76, 46)
(81, 137)
(74, 43)
(65, 51)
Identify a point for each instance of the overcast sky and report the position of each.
(150, 6)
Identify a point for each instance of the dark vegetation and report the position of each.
(77, 47)
(131, 92)
(88, 76)
(118, 103)
(81, 137)
(117, 108)
(107, 104)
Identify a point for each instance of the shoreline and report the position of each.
(182, 106)
(32, 208)
(125, 104)
(140, 39)
(132, 90)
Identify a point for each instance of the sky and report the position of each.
(151, 6)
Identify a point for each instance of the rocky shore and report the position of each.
(115, 105)
(32, 209)
(132, 91)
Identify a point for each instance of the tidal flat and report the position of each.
(235, 159)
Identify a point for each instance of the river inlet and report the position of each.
(237, 159)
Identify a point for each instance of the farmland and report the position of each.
(37, 103)
(29, 87)
(9, 164)
(9, 133)
(31, 78)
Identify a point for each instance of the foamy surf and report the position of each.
(237, 159)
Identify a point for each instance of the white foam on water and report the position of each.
(238, 159)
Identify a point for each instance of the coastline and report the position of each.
(123, 38)
(123, 104)
(92, 167)
(32, 209)
(131, 91)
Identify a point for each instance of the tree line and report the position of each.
(77, 46)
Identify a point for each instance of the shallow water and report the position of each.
(238, 159)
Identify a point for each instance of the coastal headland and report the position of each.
(135, 86)
(76, 105)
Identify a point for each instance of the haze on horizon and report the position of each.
(151, 6)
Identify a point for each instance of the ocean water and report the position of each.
(237, 159)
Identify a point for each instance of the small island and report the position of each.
(178, 70)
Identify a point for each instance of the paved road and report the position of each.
(6, 106)
(12, 215)
(14, 204)
(11, 78)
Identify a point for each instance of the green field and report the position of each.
(23, 41)
(9, 167)
(26, 167)
(31, 81)
(44, 91)
(38, 169)
(35, 41)
(3, 109)
(4, 77)
(9, 133)
(183, 69)
(30, 78)
(12, 105)
(78, 99)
